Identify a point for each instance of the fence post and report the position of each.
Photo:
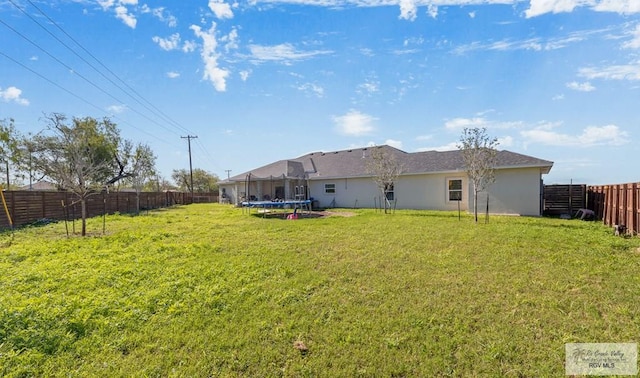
(612, 199)
(633, 209)
(13, 208)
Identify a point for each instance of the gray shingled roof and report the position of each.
(351, 163)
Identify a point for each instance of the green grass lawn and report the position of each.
(205, 290)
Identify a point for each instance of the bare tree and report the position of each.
(479, 155)
(83, 156)
(385, 169)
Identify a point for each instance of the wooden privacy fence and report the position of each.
(564, 199)
(28, 206)
(616, 205)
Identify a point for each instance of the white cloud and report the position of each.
(121, 10)
(231, 40)
(161, 15)
(106, 4)
(244, 75)
(530, 44)
(123, 14)
(189, 46)
(394, 143)
(479, 122)
(283, 52)
(314, 89)
(461, 123)
(539, 7)
(506, 45)
(354, 123)
(413, 41)
(558, 97)
(446, 147)
(212, 72)
(13, 94)
(506, 141)
(634, 43)
(173, 75)
(405, 51)
(369, 87)
(367, 52)
(618, 6)
(432, 10)
(591, 136)
(168, 44)
(117, 109)
(408, 10)
(617, 72)
(581, 87)
(221, 9)
(424, 137)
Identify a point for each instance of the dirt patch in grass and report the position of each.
(304, 214)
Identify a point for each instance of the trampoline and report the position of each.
(285, 204)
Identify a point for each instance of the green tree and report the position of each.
(10, 151)
(143, 167)
(203, 181)
(83, 156)
(158, 183)
(479, 156)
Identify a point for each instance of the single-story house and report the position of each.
(40, 186)
(429, 180)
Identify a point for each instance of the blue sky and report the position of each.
(261, 81)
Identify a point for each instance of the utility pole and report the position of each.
(228, 171)
(188, 138)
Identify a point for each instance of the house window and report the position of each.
(329, 188)
(388, 190)
(455, 190)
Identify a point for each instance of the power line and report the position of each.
(131, 93)
(83, 77)
(72, 70)
(208, 155)
(74, 95)
(139, 96)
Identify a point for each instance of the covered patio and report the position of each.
(283, 181)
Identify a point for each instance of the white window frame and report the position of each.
(391, 192)
(329, 188)
(449, 190)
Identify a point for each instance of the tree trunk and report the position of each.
(475, 203)
(137, 203)
(486, 214)
(83, 207)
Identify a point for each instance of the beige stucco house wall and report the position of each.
(515, 191)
